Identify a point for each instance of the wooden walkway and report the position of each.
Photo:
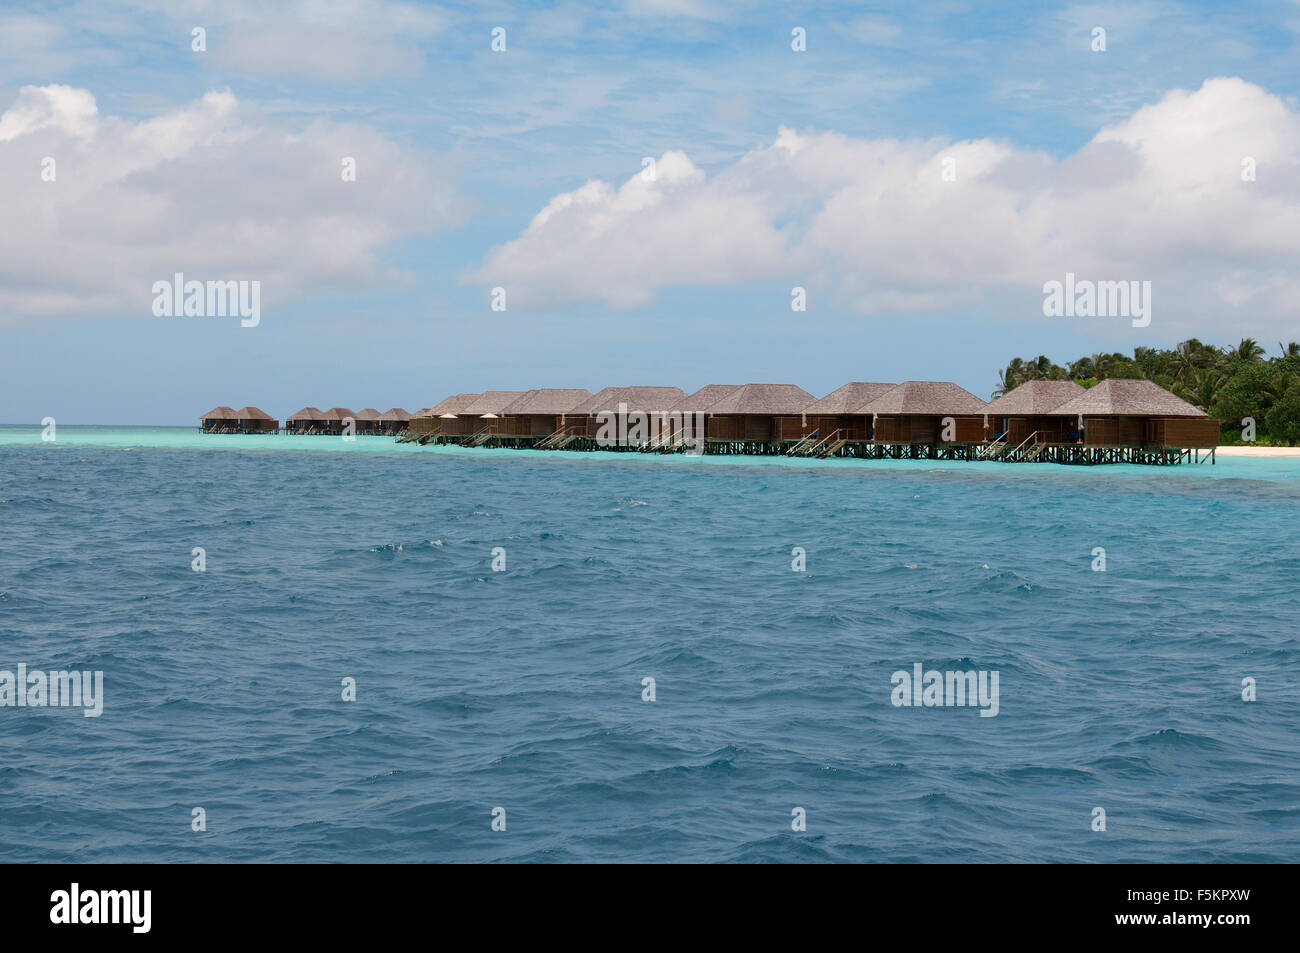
(1072, 454)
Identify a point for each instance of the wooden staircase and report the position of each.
(804, 446)
(832, 448)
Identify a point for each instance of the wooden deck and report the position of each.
(1072, 454)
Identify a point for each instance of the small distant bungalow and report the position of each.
(220, 420)
(913, 412)
(540, 413)
(477, 421)
(333, 420)
(307, 420)
(1030, 411)
(253, 420)
(393, 420)
(756, 416)
(832, 419)
(1119, 412)
(367, 420)
(428, 424)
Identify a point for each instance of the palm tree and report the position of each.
(1291, 350)
(1247, 350)
(1203, 389)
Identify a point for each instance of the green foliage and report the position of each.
(1283, 418)
(1228, 383)
(1244, 392)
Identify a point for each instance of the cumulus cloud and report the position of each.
(876, 227)
(205, 190)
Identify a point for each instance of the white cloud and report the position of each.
(873, 226)
(205, 190)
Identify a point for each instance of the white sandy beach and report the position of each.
(1259, 451)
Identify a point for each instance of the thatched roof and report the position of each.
(646, 400)
(924, 398)
(548, 400)
(764, 399)
(338, 413)
(394, 413)
(220, 413)
(705, 397)
(1134, 398)
(489, 402)
(254, 413)
(1034, 398)
(367, 413)
(307, 413)
(449, 405)
(847, 399)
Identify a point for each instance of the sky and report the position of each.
(640, 186)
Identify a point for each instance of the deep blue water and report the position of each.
(522, 689)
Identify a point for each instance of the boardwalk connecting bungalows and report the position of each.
(538, 415)
(754, 417)
(1029, 413)
(825, 423)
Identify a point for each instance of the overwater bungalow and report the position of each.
(477, 422)
(754, 417)
(1029, 412)
(825, 421)
(612, 410)
(682, 422)
(307, 420)
(393, 420)
(254, 420)
(427, 425)
(367, 420)
(912, 413)
(221, 419)
(539, 414)
(334, 420)
(1119, 412)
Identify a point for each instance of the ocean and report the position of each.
(524, 689)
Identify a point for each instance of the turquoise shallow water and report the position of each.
(522, 689)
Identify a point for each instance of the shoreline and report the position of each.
(1239, 451)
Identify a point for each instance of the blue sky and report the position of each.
(379, 296)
